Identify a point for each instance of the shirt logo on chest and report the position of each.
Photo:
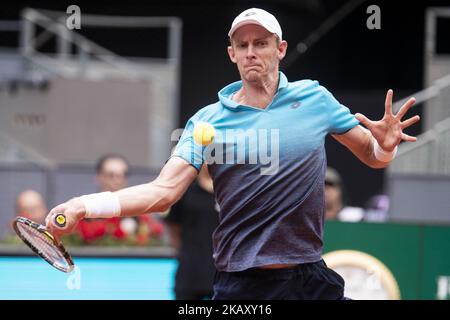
(296, 104)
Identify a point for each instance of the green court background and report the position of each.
(415, 254)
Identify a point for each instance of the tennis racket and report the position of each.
(44, 243)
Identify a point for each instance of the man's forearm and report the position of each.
(140, 199)
(360, 142)
(145, 198)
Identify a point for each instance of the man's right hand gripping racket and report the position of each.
(43, 243)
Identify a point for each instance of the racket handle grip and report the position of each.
(60, 220)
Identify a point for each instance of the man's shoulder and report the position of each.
(208, 112)
(307, 87)
(305, 84)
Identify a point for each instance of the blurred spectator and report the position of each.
(191, 223)
(335, 200)
(112, 175)
(377, 208)
(30, 204)
(112, 172)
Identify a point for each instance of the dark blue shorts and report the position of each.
(309, 281)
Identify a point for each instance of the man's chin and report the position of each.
(253, 76)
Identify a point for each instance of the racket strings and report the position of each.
(43, 244)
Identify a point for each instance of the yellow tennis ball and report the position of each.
(204, 133)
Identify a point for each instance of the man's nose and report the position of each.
(250, 52)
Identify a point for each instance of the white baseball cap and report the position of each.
(256, 16)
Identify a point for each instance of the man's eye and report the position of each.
(242, 45)
(261, 43)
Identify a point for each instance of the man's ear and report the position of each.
(231, 54)
(282, 49)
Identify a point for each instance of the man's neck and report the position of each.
(258, 94)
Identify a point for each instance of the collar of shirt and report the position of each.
(226, 93)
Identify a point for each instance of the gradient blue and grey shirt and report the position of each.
(268, 167)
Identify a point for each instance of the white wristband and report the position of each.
(381, 154)
(101, 205)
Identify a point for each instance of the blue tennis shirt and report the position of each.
(268, 167)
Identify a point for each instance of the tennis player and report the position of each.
(269, 240)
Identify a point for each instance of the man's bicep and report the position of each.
(177, 175)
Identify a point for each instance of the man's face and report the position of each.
(256, 51)
(113, 175)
